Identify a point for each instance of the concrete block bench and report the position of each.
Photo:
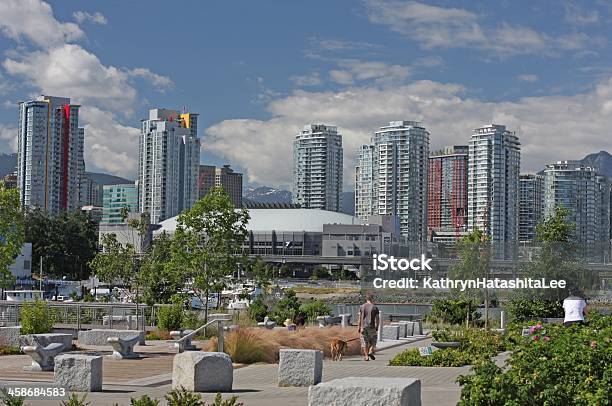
(123, 348)
(345, 320)
(415, 328)
(184, 345)
(45, 339)
(390, 332)
(78, 372)
(325, 321)
(9, 336)
(100, 336)
(267, 323)
(129, 320)
(366, 391)
(203, 371)
(403, 328)
(42, 357)
(300, 367)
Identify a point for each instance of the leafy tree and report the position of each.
(314, 309)
(258, 309)
(66, 242)
(556, 257)
(474, 251)
(158, 279)
(114, 264)
(259, 272)
(11, 233)
(207, 241)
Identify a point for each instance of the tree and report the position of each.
(114, 264)
(259, 272)
(474, 252)
(11, 234)
(207, 242)
(157, 277)
(556, 257)
(65, 242)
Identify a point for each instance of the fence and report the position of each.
(85, 316)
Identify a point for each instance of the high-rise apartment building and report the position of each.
(49, 154)
(586, 194)
(447, 192)
(115, 199)
(317, 168)
(206, 179)
(531, 205)
(169, 155)
(391, 177)
(494, 160)
(211, 176)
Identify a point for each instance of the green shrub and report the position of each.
(258, 309)
(555, 365)
(170, 318)
(144, 400)
(233, 401)
(183, 397)
(475, 345)
(314, 308)
(36, 318)
(191, 320)
(453, 311)
(74, 400)
(534, 309)
(10, 350)
(9, 400)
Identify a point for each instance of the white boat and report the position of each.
(238, 304)
(23, 295)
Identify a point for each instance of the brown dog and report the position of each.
(337, 347)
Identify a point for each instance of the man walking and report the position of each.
(368, 327)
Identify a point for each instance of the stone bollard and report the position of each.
(366, 391)
(391, 332)
(78, 372)
(203, 371)
(346, 320)
(403, 328)
(300, 367)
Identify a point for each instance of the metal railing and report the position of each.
(216, 318)
(85, 315)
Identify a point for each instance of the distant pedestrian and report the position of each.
(369, 320)
(575, 309)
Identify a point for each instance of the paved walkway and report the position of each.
(256, 385)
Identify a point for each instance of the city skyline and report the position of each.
(548, 82)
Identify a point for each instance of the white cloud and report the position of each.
(550, 127)
(96, 18)
(71, 71)
(109, 146)
(354, 71)
(311, 79)
(328, 44)
(528, 77)
(440, 27)
(33, 19)
(575, 15)
(162, 82)
(8, 138)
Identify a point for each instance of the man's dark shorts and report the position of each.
(369, 335)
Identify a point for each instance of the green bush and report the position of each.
(74, 400)
(534, 309)
(286, 308)
(36, 318)
(218, 401)
(555, 365)
(314, 308)
(453, 311)
(144, 400)
(9, 400)
(475, 345)
(258, 309)
(191, 320)
(183, 397)
(170, 318)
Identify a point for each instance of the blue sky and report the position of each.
(257, 71)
